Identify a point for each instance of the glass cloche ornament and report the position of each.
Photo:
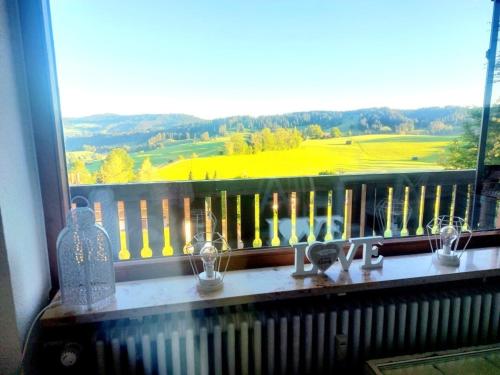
(85, 261)
(209, 249)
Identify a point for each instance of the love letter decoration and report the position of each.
(323, 255)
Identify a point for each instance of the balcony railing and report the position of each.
(155, 219)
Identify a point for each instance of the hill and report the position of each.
(109, 130)
(111, 124)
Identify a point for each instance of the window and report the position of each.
(289, 122)
(488, 170)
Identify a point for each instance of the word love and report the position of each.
(323, 254)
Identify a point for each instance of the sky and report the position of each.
(221, 58)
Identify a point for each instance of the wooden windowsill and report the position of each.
(172, 294)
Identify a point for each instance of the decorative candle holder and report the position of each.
(444, 233)
(210, 249)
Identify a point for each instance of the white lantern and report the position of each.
(85, 261)
(444, 235)
(209, 248)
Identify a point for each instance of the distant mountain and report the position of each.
(111, 124)
(110, 130)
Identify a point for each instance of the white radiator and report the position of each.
(300, 337)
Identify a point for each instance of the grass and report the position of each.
(168, 154)
(366, 153)
(183, 149)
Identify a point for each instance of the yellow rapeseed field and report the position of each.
(365, 153)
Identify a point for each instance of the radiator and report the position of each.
(299, 337)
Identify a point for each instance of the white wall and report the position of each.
(24, 271)
(10, 347)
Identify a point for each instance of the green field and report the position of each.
(182, 160)
(366, 153)
(182, 149)
(169, 153)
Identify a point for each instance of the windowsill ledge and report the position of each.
(164, 295)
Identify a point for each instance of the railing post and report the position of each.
(420, 229)
(452, 203)
(257, 242)
(239, 242)
(404, 229)
(311, 237)
(167, 245)
(362, 211)
(465, 227)
(133, 227)
(275, 241)
(223, 208)
(435, 228)
(293, 219)
(155, 224)
(146, 251)
(187, 222)
(124, 252)
(208, 219)
(98, 213)
(388, 221)
(106, 210)
(328, 235)
(347, 214)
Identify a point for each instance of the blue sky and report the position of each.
(214, 58)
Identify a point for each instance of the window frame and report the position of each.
(49, 142)
(491, 56)
(43, 92)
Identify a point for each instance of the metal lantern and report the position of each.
(209, 249)
(85, 261)
(444, 233)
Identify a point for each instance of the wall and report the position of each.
(10, 348)
(24, 272)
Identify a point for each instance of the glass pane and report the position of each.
(285, 122)
(488, 216)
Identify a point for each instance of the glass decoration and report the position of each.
(208, 251)
(393, 215)
(85, 261)
(444, 233)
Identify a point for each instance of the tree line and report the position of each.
(275, 140)
(116, 168)
(142, 132)
(462, 152)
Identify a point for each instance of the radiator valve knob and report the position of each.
(70, 354)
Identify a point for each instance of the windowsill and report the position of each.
(157, 296)
(160, 267)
